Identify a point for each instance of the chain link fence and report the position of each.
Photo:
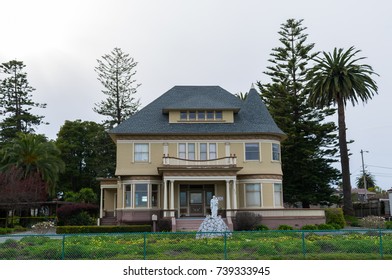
(252, 245)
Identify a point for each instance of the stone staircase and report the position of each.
(108, 221)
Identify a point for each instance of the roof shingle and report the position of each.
(252, 117)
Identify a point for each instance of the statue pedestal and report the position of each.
(212, 227)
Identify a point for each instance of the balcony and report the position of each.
(230, 161)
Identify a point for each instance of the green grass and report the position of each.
(262, 245)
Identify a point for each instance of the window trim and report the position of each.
(148, 153)
(280, 196)
(260, 193)
(273, 153)
(259, 152)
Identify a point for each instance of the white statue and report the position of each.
(214, 206)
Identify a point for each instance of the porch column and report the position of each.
(172, 198)
(101, 205)
(164, 198)
(235, 194)
(228, 204)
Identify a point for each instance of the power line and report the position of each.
(379, 166)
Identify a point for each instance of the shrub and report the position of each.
(388, 225)
(309, 227)
(261, 227)
(6, 230)
(335, 216)
(352, 221)
(325, 227)
(246, 220)
(71, 214)
(164, 225)
(373, 222)
(102, 229)
(285, 227)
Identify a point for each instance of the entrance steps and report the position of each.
(193, 224)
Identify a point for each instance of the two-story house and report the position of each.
(189, 144)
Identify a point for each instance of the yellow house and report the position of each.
(189, 144)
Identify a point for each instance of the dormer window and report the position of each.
(201, 115)
(183, 115)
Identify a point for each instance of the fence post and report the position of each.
(303, 245)
(225, 245)
(63, 248)
(381, 247)
(145, 246)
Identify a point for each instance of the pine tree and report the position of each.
(16, 102)
(310, 147)
(116, 74)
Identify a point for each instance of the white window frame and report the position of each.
(259, 151)
(132, 185)
(280, 195)
(148, 153)
(260, 193)
(278, 152)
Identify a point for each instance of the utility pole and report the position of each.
(364, 174)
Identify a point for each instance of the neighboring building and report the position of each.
(189, 144)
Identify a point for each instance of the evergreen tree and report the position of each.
(16, 102)
(310, 147)
(88, 152)
(116, 73)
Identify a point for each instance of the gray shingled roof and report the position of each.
(252, 117)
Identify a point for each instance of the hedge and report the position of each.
(102, 229)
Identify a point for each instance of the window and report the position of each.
(141, 197)
(128, 196)
(187, 151)
(252, 151)
(203, 151)
(275, 152)
(182, 150)
(201, 115)
(218, 115)
(183, 199)
(141, 152)
(154, 195)
(192, 115)
(212, 153)
(253, 195)
(210, 115)
(183, 115)
(191, 151)
(277, 195)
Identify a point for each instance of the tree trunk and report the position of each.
(344, 160)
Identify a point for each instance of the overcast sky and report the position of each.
(194, 42)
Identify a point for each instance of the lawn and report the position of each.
(284, 245)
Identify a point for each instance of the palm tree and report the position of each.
(33, 155)
(370, 181)
(336, 79)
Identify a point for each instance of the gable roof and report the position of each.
(252, 117)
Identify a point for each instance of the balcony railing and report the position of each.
(224, 161)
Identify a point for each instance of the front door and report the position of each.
(196, 203)
(195, 199)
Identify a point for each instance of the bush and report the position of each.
(309, 227)
(373, 222)
(352, 221)
(246, 220)
(72, 214)
(325, 227)
(261, 227)
(285, 227)
(164, 225)
(102, 229)
(6, 230)
(335, 217)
